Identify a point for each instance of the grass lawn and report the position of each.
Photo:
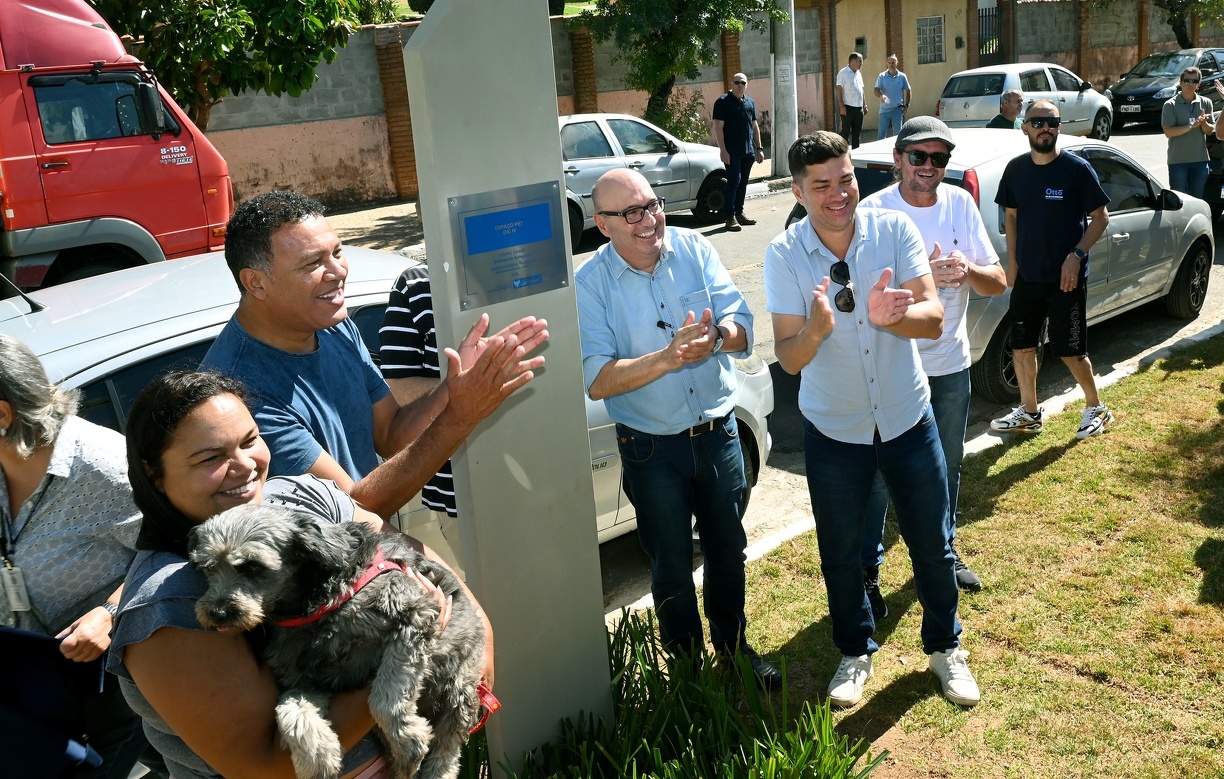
(1098, 641)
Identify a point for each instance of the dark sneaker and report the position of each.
(1018, 421)
(744, 220)
(966, 579)
(733, 226)
(871, 580)
(766, 674)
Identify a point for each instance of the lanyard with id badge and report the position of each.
(16, 595)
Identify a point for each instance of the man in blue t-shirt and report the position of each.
(1055, 212)
(319, 400)
(739, 140)
(892, 87)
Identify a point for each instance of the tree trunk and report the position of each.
(656, 106)
(1181, 30)
(199, 114)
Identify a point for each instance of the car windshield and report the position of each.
(1169, 64)
(975, 85)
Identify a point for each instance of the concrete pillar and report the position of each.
(831, 65)
(729, 43)
(1144, 28)
(1083, 35)
(972, 35)
(785, 128)
(1007, 30)
(894, 37)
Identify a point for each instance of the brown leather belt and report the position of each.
(706, 427)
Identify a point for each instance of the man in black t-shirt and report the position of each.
(739, 140)
(1055, 212)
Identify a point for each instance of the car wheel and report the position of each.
(993, 377)
(1117, 123)
(1101, 126)
(711, 197)
(88, 271)
(750, 472)
(1189, 290)
(575, 227)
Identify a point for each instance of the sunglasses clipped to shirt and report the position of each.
(840, 274)
(1038, 122)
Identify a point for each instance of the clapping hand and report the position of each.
(886, 306)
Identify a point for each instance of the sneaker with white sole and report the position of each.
(846, 689)
(1018, 421)
(1094, 420)
(952, 668)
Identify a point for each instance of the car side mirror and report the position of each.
(672, 146)
(1084, 85)
(1169, 200)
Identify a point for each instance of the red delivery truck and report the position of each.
(99, 169)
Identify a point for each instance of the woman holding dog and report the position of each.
(67, 535)
(208, 704)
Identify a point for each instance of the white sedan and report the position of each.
(971, 97)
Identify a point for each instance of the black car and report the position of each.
(1139, 94)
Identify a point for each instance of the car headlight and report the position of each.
(1109, 95)
(751, 365)
(1165, 93)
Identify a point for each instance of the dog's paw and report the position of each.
(308, 735)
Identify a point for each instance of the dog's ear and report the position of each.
(193, 539)
(310, 543)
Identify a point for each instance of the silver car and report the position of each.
(971, 97)
(111, 334)
(1158, 245)
(687, 175)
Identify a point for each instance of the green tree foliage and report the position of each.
(662, 40)
(1176, 13)
(203, 50)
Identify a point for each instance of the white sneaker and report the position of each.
(952, 668)
(1093, 421)
(846, 689)
(1018, 421)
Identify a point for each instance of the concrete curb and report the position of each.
(765, 187)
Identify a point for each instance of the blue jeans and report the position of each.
(738, 171)
(670, 479)
(950, 396)
(1188, 177)
(890, 122)
(839, 480)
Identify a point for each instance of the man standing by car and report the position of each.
(892, 87)
(739, 142)
(1186, 119)
(850, 102)
(1049, 199)
(660, 319)
(320, 402)
(865, 403)
(1008, 117)
(962, 258)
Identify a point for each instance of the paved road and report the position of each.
(780, 499)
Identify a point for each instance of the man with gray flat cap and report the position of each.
(962, 259)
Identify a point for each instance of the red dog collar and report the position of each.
(378, 566)
(490, 704)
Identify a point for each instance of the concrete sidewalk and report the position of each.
(393, 226)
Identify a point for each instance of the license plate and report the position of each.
(1129, 109)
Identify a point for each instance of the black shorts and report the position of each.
(1030, 305)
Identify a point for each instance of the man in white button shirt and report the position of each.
(850, 103)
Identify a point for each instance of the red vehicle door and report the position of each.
(94, 161)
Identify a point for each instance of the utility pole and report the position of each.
(785, 129)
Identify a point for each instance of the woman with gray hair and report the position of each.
(68, 531)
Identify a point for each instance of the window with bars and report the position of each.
(930, 39)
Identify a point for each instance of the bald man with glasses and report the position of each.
(661, 321)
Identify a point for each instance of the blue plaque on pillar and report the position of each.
(512, 243)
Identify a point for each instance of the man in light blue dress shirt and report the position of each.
(841, 325)
(660, 319)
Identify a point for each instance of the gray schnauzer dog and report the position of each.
(273, 565)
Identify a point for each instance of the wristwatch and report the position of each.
(718, 340)
(111, 608)
(1078, 252)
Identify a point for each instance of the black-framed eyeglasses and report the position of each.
(1191, 80)
(1038, 122)
(638, 213)
(939, 159)
(844, 300)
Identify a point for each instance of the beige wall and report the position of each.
(346, 161)
(862, 18)
(928, 80)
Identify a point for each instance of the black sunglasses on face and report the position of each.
(939, 159)
(1191, 80)
(739, 82)
(637, 213)
(840, 274)
(1037, 122)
